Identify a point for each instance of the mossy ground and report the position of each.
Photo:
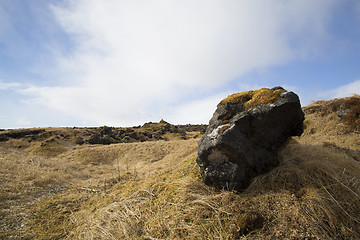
(252, 99)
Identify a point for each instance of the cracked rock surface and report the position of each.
(241, 143)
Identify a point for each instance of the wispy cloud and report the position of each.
(342, 91)
(133, 59)
(9, 85)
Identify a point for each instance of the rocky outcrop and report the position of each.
(99, 138)
(245, 134)
(151, 131)
(20, 133)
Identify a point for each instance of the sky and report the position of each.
(66, 63)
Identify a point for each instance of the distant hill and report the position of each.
(144, 183)
(52, 141)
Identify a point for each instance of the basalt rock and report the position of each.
(101, 139)
(20, 133)
(245, 134)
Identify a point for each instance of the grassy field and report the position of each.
(53, 188)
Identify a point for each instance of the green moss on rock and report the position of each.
(254, 98)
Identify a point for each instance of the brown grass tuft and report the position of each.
(326, 183)
(153, 190)
(301, 198)
(352, 118)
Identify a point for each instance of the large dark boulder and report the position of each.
(245, 134)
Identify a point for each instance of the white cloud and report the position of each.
(199, 111)
(8, 85)
(133, 59)
(23, 122)
(342, 91)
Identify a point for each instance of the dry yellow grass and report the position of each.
(153, 190)
(37, 180)
(323, 126)
(303, 198)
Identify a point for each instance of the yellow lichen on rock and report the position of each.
(241, 97)
(254, 98)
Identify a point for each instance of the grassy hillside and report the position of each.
(53, 187)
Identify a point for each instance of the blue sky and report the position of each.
(124, 63)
